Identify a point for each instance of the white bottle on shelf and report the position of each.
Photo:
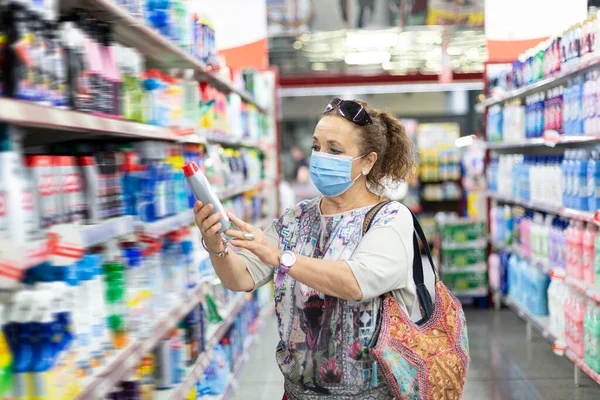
(16, 201)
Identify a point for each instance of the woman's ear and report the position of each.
(370, 161)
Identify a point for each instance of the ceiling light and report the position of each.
(319, 66)
(368, 57)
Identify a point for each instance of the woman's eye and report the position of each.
(334, 151)
(315, 147)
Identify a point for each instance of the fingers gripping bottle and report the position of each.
(203, 192)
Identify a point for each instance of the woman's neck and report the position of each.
(356, 197)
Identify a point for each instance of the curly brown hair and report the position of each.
(387, 138)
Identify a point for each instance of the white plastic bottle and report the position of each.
(12, 179)
(89, 173)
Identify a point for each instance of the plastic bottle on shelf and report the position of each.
(545, 230)
(130, 64)
(555, 307)
(18, 334)
(191, 100)
(20, 222)
(576, 315)
(526, 233)
(565, 167)
(580, 180)
(592, 336)
(589, 253)
(6, 360)
(593, 181)
(575, 249)
(112, 75)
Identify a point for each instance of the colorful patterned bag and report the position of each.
(427, 359)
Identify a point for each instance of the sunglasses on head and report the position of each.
(350, 110)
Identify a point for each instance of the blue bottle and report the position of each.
(43, 330)
(580, 180)
(18, 335)
(593, 181)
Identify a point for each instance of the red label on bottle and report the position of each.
(46, 186)
(72, 183)
(2, 204)
(27, 199)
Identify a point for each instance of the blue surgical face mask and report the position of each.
(332, 174)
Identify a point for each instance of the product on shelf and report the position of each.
(77, 64)
(463, 254)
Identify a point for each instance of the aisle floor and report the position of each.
(504, 364)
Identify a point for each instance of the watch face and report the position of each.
(288, 259)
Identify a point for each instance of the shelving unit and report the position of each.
(122, 364)
(159, 50)
(196, 370)
(52, 125)
(546, 208)
(550, 139)
(543, 84)
(539, 142)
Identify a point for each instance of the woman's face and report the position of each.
(336, 136)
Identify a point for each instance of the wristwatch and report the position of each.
(286, 260)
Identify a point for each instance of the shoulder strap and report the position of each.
(371, 215)
(419, 235)
(423, 295)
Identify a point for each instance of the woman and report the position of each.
(329, 277)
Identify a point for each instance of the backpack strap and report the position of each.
(423, 295)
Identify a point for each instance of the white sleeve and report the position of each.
(382, 262)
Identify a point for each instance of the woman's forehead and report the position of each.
(335, 128)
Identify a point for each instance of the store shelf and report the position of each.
(464, 245)
(157, 49)
(570, 354)
(471, 268)
(543, 84)
(562, 211)
(558, 273)
(79, 237)
(226, 138)
(538, 142)
(240, 364)
(540, 324)
(195, 371)
(471, 293)
(238, 190)
(166, 225)
(38, 116)
(121, 365)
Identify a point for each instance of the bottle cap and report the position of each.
(190, 168)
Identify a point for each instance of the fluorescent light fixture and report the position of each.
(379, 89)
(371, 40)
(464, 141)
(319, 66)
(368, 57)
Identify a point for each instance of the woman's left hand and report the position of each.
(259, 245)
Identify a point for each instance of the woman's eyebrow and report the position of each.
(334, 142)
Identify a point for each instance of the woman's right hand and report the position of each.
(209, 226)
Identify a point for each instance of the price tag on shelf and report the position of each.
(65, 244)
(11, 263)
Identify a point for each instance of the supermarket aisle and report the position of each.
(504, 365)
